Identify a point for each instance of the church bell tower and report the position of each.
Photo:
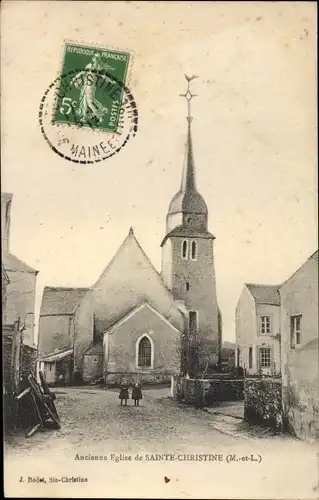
(188, 252)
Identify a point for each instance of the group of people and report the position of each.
(136, 393)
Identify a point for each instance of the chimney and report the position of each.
(6, 199)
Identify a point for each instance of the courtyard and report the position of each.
(129, 451)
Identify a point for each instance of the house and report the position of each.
(21, 279)
(56, 331)
(299, 348)
(132, 322)
(18, 303)
(258, 329)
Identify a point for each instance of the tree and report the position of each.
(196, 352)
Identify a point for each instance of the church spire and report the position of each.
(188, 179)
(187, 206)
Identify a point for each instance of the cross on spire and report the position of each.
(189, 96)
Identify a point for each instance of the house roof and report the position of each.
(12, 263)
(188, 232)
(94, 349)
(60, 300)
(57, 355)
(313, 257)
(265, 294)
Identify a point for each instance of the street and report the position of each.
(195, 450)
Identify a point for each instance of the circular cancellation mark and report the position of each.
(82, 130)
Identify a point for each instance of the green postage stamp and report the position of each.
(91, 87)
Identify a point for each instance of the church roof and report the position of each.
(188, 199)
(265, 294)
(129, 280)
(60, 300)
(12, 263)
(94, 349)
(188, 232)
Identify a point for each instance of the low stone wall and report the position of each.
(201, 393)
(115, 379)
(263, 402)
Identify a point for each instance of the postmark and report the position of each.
(88, 113)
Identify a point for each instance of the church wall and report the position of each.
(55, 332)
(83, 330)
(122, 348)
(129, 281)
(201, 296)
(92, 367)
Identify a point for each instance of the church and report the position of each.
(131, 323)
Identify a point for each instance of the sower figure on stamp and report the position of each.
(87, 79)
(137, 394)
(123, 392)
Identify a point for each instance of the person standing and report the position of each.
(137, 394)
(123, 393)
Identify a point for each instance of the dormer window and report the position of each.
(184, 249)
(194, 250)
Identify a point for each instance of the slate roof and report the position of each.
(95, 349)
(12, 263)
(265, 294)
(188, 232)
(60, 300)
(57, 355)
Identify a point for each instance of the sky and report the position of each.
(254, 137)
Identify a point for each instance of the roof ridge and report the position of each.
(262, 284)
(66, 288)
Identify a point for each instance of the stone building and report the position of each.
(21, 284)
(257, 330)
(131, 321)
(299, 347)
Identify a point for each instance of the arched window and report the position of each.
(194, 250)
(184, 249)
(145, 352)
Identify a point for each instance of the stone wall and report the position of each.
(115, 379)
(201, 393)
(263, 402)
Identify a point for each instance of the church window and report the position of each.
(192, 321)
(145, 353)
(184, 249)
(189, 220)
(187, 285)
(194, 250)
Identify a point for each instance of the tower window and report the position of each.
(192, 321)
(184, 249)
(194, 250)
(189, 220)
(187, 285)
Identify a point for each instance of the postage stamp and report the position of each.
(85, 92)
(88, 113)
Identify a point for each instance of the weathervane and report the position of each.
(189, 96)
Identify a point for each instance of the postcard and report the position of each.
(159, 250)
